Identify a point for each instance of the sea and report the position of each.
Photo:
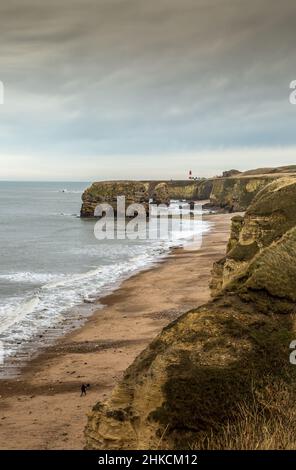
(53, 270)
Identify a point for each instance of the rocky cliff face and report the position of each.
(182, 190)
(141, 192)
(203, 189)
(161, 194)
(190, 190)
(236, 193)
(107, 192)
(263, 237)
(233, 192)
(135, 192)
(192, 380)
(232, 354)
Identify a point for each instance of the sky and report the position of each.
(126, 89)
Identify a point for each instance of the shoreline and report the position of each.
(42, 408)
(79, 314)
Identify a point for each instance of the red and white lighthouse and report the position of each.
(190, 174)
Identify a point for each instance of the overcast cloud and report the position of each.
(137, 88)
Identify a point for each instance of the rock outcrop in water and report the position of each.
(135, 192)
(221, 370)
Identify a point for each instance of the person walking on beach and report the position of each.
(83, 390)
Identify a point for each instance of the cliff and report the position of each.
(264, 237)
(219, 376)
(190, 190)
(107, 192)
(141, 192)
(236, 193)
(233, 192)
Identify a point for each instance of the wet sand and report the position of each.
(42, 409)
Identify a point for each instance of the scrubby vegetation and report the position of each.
(219, 377)
(266, 421)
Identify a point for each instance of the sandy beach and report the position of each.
(42, 409)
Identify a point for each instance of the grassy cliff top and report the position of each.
(277, 170)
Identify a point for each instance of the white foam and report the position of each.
(29, 277)
(14, 314)
(50, 305)
(70, 191)
(73, 279)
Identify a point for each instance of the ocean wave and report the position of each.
(72, 279)
(50, 304)
(30, 277)
(12, 314)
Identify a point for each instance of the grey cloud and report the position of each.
(138, 77)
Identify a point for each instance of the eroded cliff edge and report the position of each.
(141, 192)
(234, 191)
(225, 365)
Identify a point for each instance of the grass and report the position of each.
(246, 402)
(268, 422)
